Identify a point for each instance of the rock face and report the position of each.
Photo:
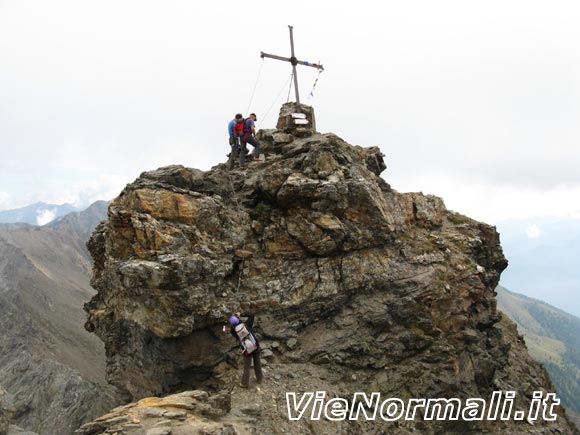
(356, 287)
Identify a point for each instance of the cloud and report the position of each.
(45, 216)
(493, 203)
(82, 194)
(4, 198)
(533, 231)
(104, 187)
(68, 189)
(485, 96)
(8, 202)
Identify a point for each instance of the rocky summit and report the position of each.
(355, 286)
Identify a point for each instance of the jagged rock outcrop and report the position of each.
(357, 287)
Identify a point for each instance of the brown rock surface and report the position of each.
(187, 413)
(367, 288)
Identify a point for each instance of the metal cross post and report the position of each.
(292, 59)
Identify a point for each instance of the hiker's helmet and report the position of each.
(234, 320)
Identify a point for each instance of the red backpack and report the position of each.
(239, 127)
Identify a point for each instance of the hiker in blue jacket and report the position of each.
(251, 352)
(234, 140)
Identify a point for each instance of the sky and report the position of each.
(476, 102)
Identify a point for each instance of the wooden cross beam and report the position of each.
(292, 59)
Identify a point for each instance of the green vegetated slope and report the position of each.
(552, 337)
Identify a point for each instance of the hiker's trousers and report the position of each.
(248, 139)
(257, 368)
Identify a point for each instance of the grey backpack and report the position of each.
(247, 340)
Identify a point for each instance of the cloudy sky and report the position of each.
(477, 102)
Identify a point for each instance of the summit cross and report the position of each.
(292, 59)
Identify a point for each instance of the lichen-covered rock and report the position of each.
(369, 289)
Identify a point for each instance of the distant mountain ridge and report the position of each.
(39, 213)
(52, 369)
(82, 222)
(543, 253)
(552, 337)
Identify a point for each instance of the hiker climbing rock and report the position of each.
(248, 137)
(235, 137)
(243, 332)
